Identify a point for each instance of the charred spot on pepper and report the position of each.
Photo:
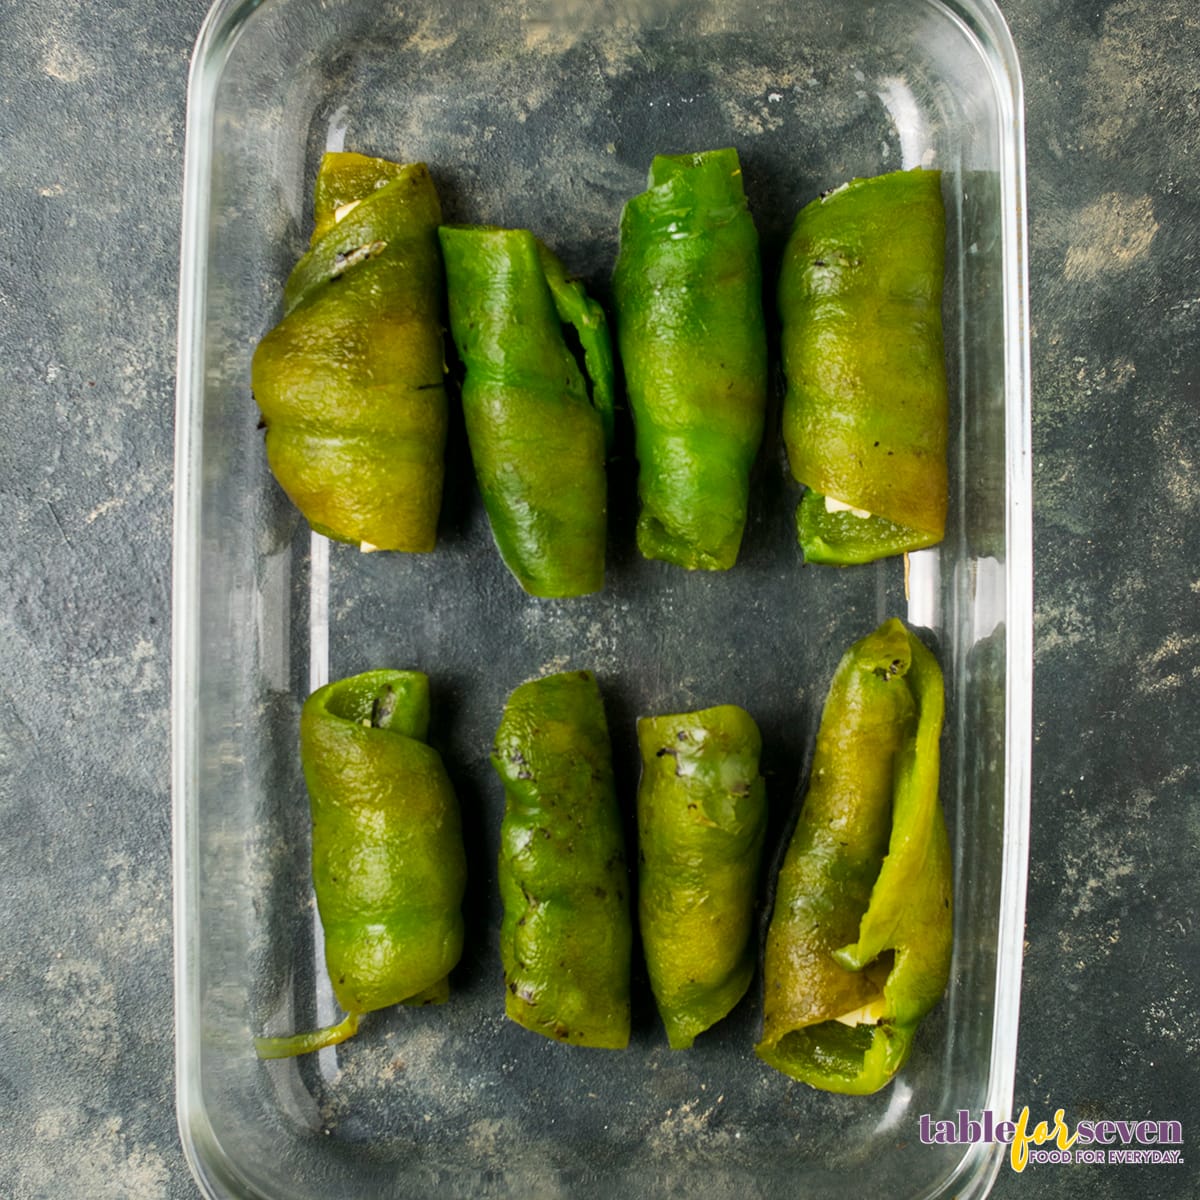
(383, 707)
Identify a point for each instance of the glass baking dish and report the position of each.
(546, 115)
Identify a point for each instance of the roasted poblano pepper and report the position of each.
(388, 863)
(858, 949)
(702, 814)
(688, 292)
(350, 382)
(538, 442)
(566, 933)
(865, 415)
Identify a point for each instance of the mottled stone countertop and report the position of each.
(91, 146)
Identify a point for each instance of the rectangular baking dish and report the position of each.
(545, 115)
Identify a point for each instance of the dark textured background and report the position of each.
(91, 145)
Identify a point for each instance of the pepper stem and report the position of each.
(306, 1043)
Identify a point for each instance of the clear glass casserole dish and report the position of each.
(545, 115)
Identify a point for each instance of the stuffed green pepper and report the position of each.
(388, 864)
(702, 812)
(538, 440)
(865, 414)
(858, 949)
(689, 318)
(566, 933)
(350, 382)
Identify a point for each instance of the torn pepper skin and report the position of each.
(538, 441)
(862, 922)
(702, 812)
(865, 414)
(389, 870)
(350, 382)
(692, 341)
(566, 933)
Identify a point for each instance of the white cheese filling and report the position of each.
(868, 1014)
(832, 506)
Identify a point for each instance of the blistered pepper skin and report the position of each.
(865, 414)
(389, 869)
(702, 814)
(350, 382)
(862, 923)
(566, 933)
(538, 442)
(689, 320)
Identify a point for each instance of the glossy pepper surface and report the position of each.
(538, 440)
(350, 382)
(566, 932)
(858, 949)
(389, 869)
(865, 414)
(688, 293)
(702, 812)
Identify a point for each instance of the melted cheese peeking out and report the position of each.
(832, 506)
(868, 1014)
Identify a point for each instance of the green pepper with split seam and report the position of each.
(566, 934)
(702, 814)
(350, 383)
(858, 949)
(688, 294)
(538, 440)
(389, 868)
(865, 414)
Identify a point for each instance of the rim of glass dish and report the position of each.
(979, 1166)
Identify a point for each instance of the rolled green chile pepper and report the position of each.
(865, 414)
(858, 949)
(688, 292)
(538, 442)
(389, 869)
(350, 382)
(566, 932)
(702, 815)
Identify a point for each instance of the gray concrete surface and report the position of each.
(91, 145)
